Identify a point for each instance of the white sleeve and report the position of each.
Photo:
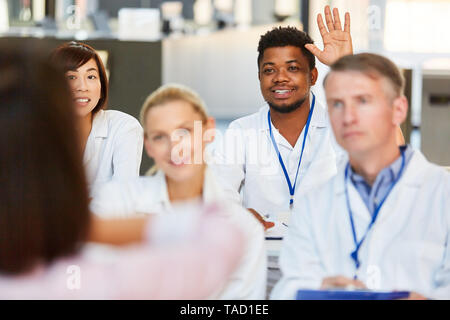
(128, 145)
(299, 262)
(110, 200)
(442, 278)
(248, 281)
(228, 161)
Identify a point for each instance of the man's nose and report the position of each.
(281, 76)
(349, 114)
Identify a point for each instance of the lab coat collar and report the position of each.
(100, 125)
(416, 171)
(319, 118)
(212, 193)
(163, 194)
(412, 177)
(99, 130)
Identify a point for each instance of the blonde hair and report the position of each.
(173, 92)
(372, 64)
(169, 93)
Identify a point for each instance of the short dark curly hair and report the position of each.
(286, 36)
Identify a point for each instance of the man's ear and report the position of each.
(210, 130)
(399, 137)
(314, 74)
(400, 110)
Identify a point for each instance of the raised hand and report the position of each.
(336, 42)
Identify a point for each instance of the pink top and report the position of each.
(183, 258)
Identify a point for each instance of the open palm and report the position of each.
(337, 42)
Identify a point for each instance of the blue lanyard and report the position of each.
(354, 254)
(286, 175)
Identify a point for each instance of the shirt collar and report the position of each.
(163, 193)
(417, 166)
(211, 190)
(391, 172)
(100, 125)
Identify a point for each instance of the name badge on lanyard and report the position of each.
(354, 254)
(280, 159)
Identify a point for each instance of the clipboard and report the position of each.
(350, 295)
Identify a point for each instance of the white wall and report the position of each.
(221, 67)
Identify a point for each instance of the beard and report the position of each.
(289, 108)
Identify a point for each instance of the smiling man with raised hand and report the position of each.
(285, 148)
(383, 222)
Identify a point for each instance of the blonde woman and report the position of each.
(177, 130)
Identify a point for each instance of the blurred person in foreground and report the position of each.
(45, 222)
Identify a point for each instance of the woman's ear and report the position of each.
(147, 146)
(210, 130)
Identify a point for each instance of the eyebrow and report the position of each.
(76, 70)
(183, 124)
(355, 96)
(268, 63)
(186, 123)
(289, 61)
(152, 132)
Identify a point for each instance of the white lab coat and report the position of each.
(408, 247)
(149, 195)
(114, 147)
(247, 164)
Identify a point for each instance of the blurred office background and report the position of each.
(210, 45)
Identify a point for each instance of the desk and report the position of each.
(273, 248)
